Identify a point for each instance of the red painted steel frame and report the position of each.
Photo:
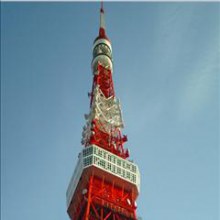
(105, 82)
(104, 201)
(109, 141)
(113, 143)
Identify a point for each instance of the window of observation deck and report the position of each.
(102, 49)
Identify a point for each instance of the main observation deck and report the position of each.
(114, 168)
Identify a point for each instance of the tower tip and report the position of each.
(102, 28)
(102, 7)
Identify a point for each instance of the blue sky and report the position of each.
(166, 67)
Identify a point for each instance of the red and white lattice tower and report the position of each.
(105, 184)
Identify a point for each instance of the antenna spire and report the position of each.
(102, 22)
(102, 8)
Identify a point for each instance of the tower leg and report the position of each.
(89, 199)
(102, 213)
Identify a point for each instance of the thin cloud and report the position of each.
(199, 88)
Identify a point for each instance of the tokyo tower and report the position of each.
(105, 184)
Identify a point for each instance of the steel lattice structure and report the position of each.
(105, 184)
